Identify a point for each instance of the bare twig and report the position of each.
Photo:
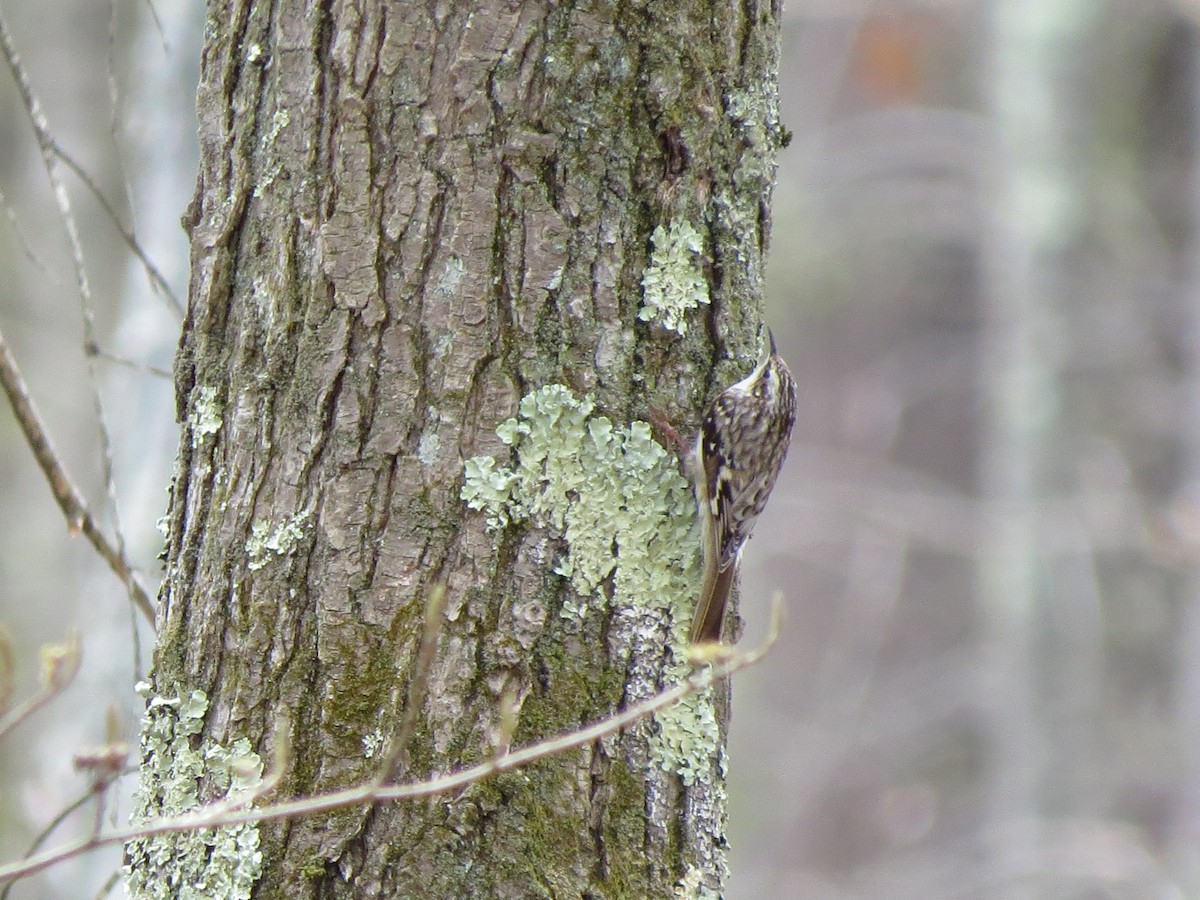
(50, 159)
(62, 816)
(107, 888)
(15, 223)
(397, 758)
(158, 26)
(231, 812)
(60, 665)
(66, 494)
(145, 368)
(157, 279)
(51, 154)
(115, 104)
(7, 668)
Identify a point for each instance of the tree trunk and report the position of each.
(1025, 260)
(445, 260)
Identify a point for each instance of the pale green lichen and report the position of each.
(692, 887)
(686, 737)
(212, 862)
(205, 417)
(673, 283)
(627, 514)
(266, 542)
(428, 447)
(613, 492)
(756, 113)
(279, 121)
(488, 488)
(372, 743)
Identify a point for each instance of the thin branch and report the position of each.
(115, 105)
(157, 279)
(52, 153)
(144, 368)
(24, 710)
(15, 223)
(50, 159)
(107, 888)
(62, 816)
(7, 669)
(52, 150)
(66, 494)
(60, 665)
(158, 26)
(231, 812)
(397, 758)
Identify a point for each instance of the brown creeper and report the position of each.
(739, 451)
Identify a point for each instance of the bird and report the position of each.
(739, 451)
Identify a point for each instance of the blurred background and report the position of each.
(985, 273)
(116, 84)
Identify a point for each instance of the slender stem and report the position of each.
(66, 494)
(233, 811)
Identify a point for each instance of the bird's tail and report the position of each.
(715, 586)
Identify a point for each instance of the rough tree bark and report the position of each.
(445, 257)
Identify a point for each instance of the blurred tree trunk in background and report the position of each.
(1031, 638)
(408, 221)
(1185, 830)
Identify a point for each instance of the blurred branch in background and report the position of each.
(135, 120)
(68, 497)
(66, 494)
(59, 666)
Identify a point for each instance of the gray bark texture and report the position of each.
(408, 218)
